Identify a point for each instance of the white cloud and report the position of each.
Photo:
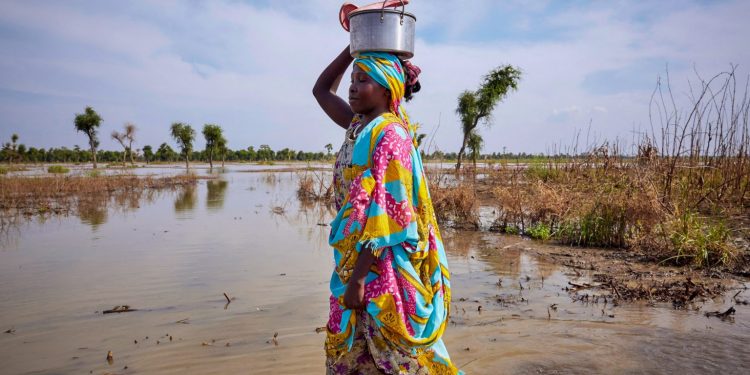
(251, 67)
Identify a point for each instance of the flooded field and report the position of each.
(172, 257)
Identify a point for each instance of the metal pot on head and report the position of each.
(382, 30)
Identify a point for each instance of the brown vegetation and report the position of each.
(78, 194)
(455, 204)
(683, 198)
(314, 186)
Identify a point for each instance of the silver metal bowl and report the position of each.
(382, 30)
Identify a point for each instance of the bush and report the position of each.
(57, 169)
(539, 231)
(696, 240)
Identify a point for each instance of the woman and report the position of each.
(390, 289)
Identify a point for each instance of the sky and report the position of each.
(589, 68)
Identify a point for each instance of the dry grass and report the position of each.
(456, 205)
(62, 195)
(621, 204)
(314, 186)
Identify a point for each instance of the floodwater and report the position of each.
(172, 255)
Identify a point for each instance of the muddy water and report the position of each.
(173, 256)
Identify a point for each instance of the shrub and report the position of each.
(696, 240)
(539, 231)
(57, 169)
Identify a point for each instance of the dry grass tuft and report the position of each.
(456, 205)
(313, 186)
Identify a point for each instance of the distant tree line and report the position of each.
(13, 152)
(19, 153)
(216, 148)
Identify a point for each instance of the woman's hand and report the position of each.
(354, 297)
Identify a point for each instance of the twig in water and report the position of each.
(721, 315)
(119, 309)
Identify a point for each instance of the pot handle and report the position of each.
(393, 4)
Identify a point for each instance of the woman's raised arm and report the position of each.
(325, 90)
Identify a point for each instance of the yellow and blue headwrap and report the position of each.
(386, 69)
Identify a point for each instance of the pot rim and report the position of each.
(364, 11)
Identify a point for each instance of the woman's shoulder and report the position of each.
(390, 123)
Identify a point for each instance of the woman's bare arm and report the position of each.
(354, 296)
(325, 90)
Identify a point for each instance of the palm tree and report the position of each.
(87, 123)
(184, 135)
(329, 147)
(475, 106)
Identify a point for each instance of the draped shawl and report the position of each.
(388, 211)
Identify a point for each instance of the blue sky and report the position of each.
(249, 66)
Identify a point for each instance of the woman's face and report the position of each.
(366, 95)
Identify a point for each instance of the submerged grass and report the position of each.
(66, 194)
(314, 186)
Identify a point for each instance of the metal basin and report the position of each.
(382, 30)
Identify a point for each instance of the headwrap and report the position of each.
(386, 69)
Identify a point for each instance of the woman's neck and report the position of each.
(368, 117)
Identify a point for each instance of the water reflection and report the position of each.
(186, 199)
(93, 210)
(215, 194)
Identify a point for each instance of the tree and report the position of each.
(148, 153)
(475, 146)
(477, 106)
(264, 153)
(329, 148)
(165, 153)
(184, 135)
(221, 145)
(87, 123)
(126, 139)
(212, 134)
(10, 149)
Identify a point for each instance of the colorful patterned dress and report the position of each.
(384, 207)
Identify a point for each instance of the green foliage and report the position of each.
(3, 170)
(87, 123)
(148, 153)
(604, 225)
(704, 243)
(511, 229)
(264, 153)
(213, 136)
(477, 106)
(93, 173)
(539, 231)
(542, 172)
(475, 145)
(57, 169)
(184, 135)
